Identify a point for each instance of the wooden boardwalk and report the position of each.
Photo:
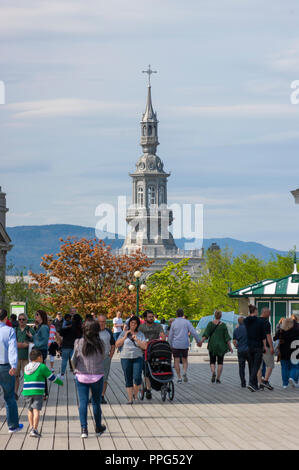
(202, 416)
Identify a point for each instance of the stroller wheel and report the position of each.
(170, 390)
(163, 392)
(141, 391)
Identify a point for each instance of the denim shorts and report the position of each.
(132, 369)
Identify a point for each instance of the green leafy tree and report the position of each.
(19, 291)
(280, 266)
(170, 289)
(222, 272)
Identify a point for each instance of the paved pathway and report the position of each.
(202, 416)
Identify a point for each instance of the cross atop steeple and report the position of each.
(149, 71)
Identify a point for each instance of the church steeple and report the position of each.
(149, 114)
(149, 216)
(149, 122)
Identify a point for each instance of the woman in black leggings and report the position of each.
(218, 345)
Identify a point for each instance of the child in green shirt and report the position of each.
(35, 374)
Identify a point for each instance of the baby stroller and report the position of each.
(159, 371)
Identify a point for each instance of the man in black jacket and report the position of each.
(256, 337)
(70, 331)
(58, 322)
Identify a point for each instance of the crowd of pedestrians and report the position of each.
(88, 347)
(255, 347)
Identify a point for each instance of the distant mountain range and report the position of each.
(34, 241)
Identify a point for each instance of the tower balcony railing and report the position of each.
(149, 139)
(154, 210)
(176, 253)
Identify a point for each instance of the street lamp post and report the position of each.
(139, 285)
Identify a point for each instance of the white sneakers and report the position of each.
(293, 383)
(35, 433)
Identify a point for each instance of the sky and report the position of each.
(75, 94)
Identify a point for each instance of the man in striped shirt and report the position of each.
(35, 374)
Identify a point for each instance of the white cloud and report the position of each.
(68, 107)
(21, 215)
(39, 16)
(88, 16)
(238, 111)
(278, 137)
(223, 198)
(85, 107)
(287, 61)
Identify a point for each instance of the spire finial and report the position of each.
(149, 71)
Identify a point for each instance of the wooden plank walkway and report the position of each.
(202, 416)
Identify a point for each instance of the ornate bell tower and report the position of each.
(148, 215)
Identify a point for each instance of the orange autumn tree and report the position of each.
(85, 274)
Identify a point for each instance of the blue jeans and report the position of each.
(66, 354)
(263, 369)
(289, 371)
(7, 382)
(116, 336)
(294, 372)
(132, 369)
(285, 371)
(83, 393)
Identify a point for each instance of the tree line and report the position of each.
(86, 274)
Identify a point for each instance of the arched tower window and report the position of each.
(151, 195)
(140, 196)
(161, 195)
(150, 129)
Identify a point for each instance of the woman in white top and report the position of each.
(117, 325)
(131, 344)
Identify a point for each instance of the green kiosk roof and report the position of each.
(287, 286)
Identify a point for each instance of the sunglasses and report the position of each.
(22, 319)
